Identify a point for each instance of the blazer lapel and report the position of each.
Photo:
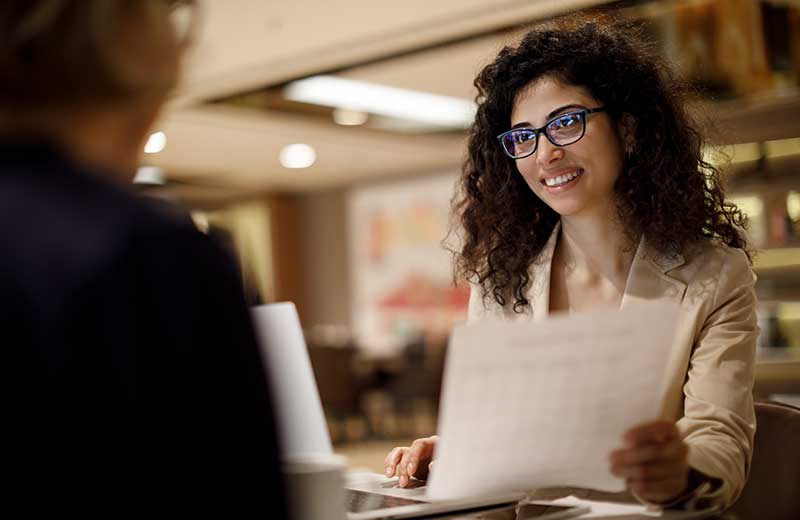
(539, 293)
(648, 279)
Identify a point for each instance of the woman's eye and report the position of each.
(522, 137)
(566, 121)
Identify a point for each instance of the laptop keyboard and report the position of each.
(360, 501)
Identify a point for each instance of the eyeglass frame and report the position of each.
(542, 130)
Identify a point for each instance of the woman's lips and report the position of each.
(563, 181)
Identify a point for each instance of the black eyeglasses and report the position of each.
(562, 130)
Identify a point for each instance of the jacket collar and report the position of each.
(648, 278)
(539, 293)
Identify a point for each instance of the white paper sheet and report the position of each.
(539, 404)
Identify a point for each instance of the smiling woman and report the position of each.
(663, 190)
(585, 188)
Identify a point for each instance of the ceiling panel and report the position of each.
(235, 148)
(447, 70)
(245, 44)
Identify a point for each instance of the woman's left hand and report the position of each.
(653, 461)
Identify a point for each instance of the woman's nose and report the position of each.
(547, 153)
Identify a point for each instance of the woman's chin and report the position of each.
(566, 208)
(580, 206)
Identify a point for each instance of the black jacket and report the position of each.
(132, 376)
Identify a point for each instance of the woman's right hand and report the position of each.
(411, 461)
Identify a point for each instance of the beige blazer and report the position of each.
(710, 392)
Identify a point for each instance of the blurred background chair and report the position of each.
(338, 388)
(773, 489)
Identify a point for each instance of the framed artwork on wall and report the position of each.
(401, 273)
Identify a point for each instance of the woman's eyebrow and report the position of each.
(527, 124)
(561, 109)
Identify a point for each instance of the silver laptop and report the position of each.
(294, 389)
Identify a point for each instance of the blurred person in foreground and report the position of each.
(132, 372)
(585, 188)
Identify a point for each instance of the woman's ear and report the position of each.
(627, 133)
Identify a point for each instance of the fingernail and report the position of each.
(411, 468)
(403, 481)
(389, 471)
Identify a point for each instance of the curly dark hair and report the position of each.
(665, 192)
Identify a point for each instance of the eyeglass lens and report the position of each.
(563, 130)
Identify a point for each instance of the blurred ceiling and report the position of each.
(252, 46)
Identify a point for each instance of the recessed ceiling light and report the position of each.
(297, 155)
(156, 142)
(349, 117)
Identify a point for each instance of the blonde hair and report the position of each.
(69, 52)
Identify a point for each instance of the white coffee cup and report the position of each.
(315, 486)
